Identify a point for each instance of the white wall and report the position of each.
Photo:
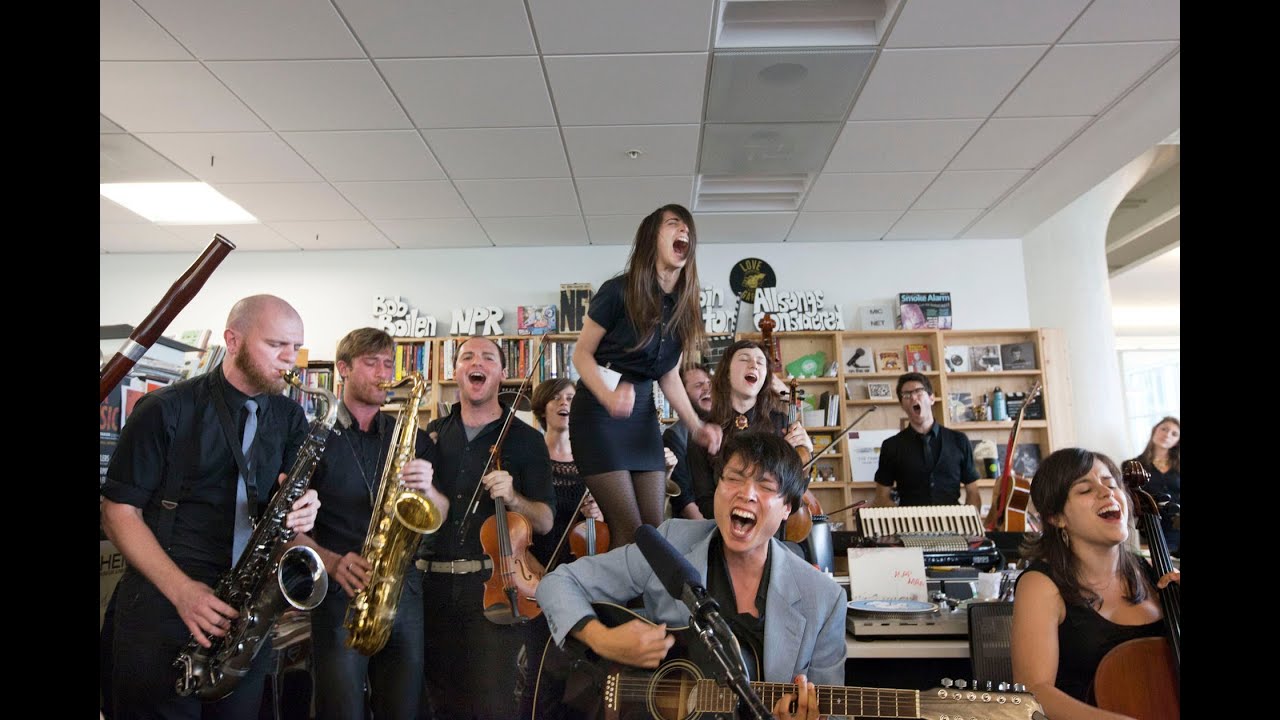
(334, 291)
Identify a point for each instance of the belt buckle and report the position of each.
(453, 567)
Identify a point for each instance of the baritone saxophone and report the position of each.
(401, 516)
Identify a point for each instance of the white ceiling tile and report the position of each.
(1082, 79)
(931, 224)
(628, 89)
(1013, 143)
(274, 202)
(862, 192)
(535, 231)
(1121, 20)
(367, 155)
(520, 198)
(170, 97)
(125, 158)
(440, 28)
(110, 212)
(254, 30)
(471, 92)
(400, 200)
(899, 146)
(767, 227)
(233, 157)
(766, 148)
(784, 86)
(435, 233)
(247, 238)
(949, 83)
(125, 32)
(615, 229)
(499, 152)
(337, 235)
(141, 238)
(618, 196)
(602, 151)
(842, 226)
(958, 23)
(567, 27)
(314, 94)
(967, 189)
(105, 126)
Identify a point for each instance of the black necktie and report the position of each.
(928, 450)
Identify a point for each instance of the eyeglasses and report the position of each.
(910, 393)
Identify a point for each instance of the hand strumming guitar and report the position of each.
(636, 642)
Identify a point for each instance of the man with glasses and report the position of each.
(926, 462)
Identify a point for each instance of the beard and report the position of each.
(261, 381)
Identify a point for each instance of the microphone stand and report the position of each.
(711, 629)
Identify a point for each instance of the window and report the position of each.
(1152, 381)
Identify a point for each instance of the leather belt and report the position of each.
(454, 567)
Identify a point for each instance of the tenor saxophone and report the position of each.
(401, 516)
(268, 577)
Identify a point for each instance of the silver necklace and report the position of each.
(360, 461)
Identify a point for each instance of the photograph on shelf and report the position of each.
(889, 361)
(880, 391)
(864, 453)
(820, 441)
(1018, 356)
(809, 366)
(535, 319)
(985, 358)
(1014, 401)
(956, 358)
(961, 406)
(918, 358)
(861, 360)
(984, 455)
(1026, 458)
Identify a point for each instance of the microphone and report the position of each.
(681, 581)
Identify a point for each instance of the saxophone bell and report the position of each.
(302, 577)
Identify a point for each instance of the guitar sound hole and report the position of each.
(672, 691)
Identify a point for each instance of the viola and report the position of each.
(1139, 678)
(588, 537)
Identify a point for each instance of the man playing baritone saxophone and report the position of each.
(171, 500)
(472, 670)
(348, 479)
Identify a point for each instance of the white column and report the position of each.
(1068, 288)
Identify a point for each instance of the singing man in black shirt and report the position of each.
(927, 462)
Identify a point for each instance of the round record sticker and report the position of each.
(749, 275)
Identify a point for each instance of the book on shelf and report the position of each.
(164, 350)
(862, 359)
(1018, 356)
(889, 361)
(920, 310)
(985, 358)
(961, 404)
(919, 359)
(198, 338)
(535, 319)
(956, 358)
(557, 360)
(574, 300)
(413, 357)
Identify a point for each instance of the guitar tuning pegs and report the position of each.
(1003, 687)
(1019, 687)
(946, 682)
(989, 686)
(962, 684)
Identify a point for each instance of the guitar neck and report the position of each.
(832, 699)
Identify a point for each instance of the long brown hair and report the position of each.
(767, 400)
(643, 296)
(1175, 452)
(1049, 491)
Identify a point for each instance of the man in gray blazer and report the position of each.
(788, 617)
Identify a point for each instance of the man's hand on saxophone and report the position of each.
(417, 475)
(202, 612)
(303, 516)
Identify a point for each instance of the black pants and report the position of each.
(470, 661)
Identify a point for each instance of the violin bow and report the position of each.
(805, 468)
(474, 504)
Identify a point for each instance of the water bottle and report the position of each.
(999, 410)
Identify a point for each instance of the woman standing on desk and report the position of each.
(1084, 591)
(636, 330)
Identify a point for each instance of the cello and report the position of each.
(1139, 678)
(506, 538)
(1012, 493)
(800, 522)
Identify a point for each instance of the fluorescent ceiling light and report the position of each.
(1146, 316)
(177, 203)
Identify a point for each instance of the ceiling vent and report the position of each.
(801, 23)
(727, 193)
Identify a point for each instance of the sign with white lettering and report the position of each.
(465, 320)
(797, 310)
(397, 319)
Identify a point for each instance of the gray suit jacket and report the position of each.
(804, 621)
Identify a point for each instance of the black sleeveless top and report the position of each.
(1084, 637)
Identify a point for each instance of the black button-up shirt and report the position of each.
(747, 628)
(461, 464)
(650, 362)
(186, 412)
(902, 462)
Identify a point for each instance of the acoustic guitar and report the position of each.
(1012, 493)
(679, 689)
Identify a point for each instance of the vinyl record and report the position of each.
(891, 608)
(749, 275)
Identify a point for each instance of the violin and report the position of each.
(800, 521)
(1139, 678)
(586, 537)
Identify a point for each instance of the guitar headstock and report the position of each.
(957, 700)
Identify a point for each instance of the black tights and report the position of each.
(628, 500)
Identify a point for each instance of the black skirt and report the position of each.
(602, 443)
